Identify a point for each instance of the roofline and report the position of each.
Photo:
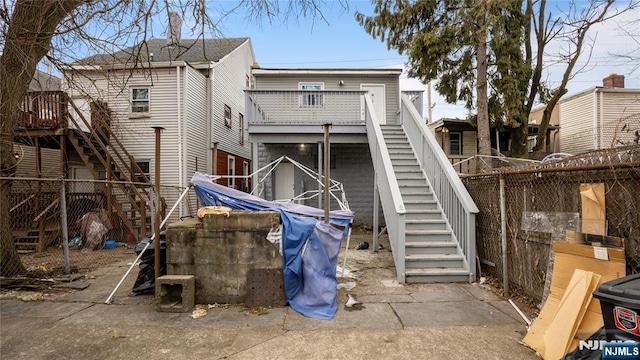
(355, 71)
(145, 65)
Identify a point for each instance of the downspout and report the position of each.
(594, 129)
(179, 115)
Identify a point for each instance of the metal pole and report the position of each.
(503, 234)
(65, 231)
(327, 204)
(156, 227)
(319, 175)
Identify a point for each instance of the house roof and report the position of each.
(157, 50)
(465, 123)
(41, 81)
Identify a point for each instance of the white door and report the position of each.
(284, 181)
(377, 96)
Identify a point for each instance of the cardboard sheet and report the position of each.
(593, 209)
(568, 258)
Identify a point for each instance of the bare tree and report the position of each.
(62, 30)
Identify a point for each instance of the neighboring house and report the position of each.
(597, 118)
(458, 139)
(193, 89)
(380, 150)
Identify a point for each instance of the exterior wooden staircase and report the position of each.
(106, 158)
(431, 252)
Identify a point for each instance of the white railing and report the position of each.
(456, 203)
(390, 197)
(294, 107)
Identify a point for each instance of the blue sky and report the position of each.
(342, 42)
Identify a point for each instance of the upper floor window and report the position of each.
(140, 100)
(227, 116)
(144, 166)
(241, 122)
(455, 143)
(308, 96)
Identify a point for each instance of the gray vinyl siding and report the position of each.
(576, 124)
(196, 123)
(332, 83)
(228, 89)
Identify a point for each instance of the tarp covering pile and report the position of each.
(309, 247)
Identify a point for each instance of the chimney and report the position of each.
(613, 81)
(174, 29)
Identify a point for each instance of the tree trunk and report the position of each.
(518, 141)
(484, 136)
(27, 41)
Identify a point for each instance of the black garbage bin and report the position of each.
(620, 304)
(145, 282)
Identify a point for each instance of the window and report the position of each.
(140, 100)
(231, 171)
(241, 122)
(245, 173)
(227, 116)
(309, 98)
(455, 143)
(144, 166)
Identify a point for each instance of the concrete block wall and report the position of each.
(354, 169)
(220, 251)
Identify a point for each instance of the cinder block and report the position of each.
(175, 293)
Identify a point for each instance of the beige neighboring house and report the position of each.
(596, 118)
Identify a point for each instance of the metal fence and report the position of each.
(544, 201)
(95, 233)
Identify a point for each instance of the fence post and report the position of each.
(503, 235)
(65, 232)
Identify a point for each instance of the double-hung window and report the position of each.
(139, 100)
(455, 143)
(227, 116)
(309, 95)
(241, 122)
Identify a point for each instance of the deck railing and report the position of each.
(456, 203)
(44, 110)
(296, 107)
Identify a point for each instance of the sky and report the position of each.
(342, 42)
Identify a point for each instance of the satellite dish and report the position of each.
(174, 29)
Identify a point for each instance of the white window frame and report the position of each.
(309, 99)
(460, 152)
(231, 171)
(227, 119)
(245, 173)
(132, 108)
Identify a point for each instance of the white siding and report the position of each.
(229, 85)
(332, 83)
(576, 124)
(618, 109)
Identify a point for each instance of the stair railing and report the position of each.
(456, 203)
(387, 184)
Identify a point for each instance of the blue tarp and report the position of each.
(310, 247)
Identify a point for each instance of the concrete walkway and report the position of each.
(417, 321)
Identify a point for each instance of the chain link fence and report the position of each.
(543, 201)
(98, 231)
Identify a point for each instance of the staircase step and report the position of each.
(426, 261)
(402, 167)
(408, 161)
(420, 205)
(427, 235)
(426, 224)
(417, 196)
(419, 214)
(436, 275)
(431, 247)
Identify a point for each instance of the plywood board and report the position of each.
(568, 258)
(593, 209)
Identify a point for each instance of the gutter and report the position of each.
(594, 129)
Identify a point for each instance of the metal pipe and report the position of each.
(173, 208)
(156, 229)
(503, 235)
(327, 203)
(65, 231)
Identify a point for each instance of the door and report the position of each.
(377, 96)
(284, 181)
